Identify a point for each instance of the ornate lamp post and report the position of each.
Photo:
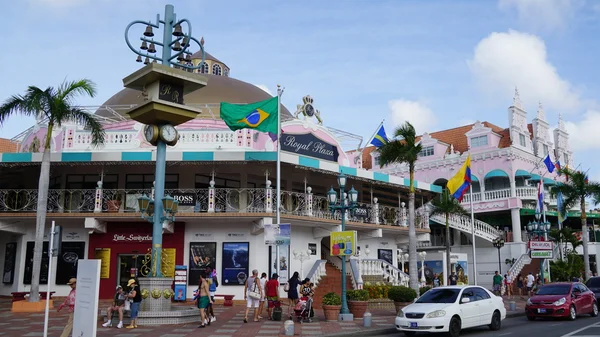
(302, 256)
(405, 256)
(343, 206)
(422, 255)
(539, 228)
(400, 259)
(163, 89)
(499, 243)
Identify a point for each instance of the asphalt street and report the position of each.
(584, 326)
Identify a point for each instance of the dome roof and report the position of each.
(218, 89)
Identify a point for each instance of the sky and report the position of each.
(437, 63)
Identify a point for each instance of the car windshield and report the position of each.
(439, 295)
(554, 289)
(594, 282)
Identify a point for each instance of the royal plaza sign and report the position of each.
(307, 144)
(541, 245)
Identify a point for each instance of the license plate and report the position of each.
(541, 311)
(414, 325)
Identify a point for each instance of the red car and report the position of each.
(566, 299)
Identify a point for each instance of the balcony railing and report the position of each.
(524, 193)
(207, 200)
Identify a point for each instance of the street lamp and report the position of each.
(422, 255)
(399, 259)
(499, 243)
(405, 256)
(164, 90)
(539, 228)
(347, 202)
(302, 256)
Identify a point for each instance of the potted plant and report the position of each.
(402, 296)
(358, 302)
(332, 303)
(114, 204)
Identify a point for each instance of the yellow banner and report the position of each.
(103, 254)
(168, 262)
(343, 243)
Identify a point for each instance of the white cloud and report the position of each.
(502, 61)
(543, 14)
(417, 113)
(584, 135)
(264, 88)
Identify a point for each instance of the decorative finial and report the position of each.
(561, 123)
(517, 99)
(540, 112)
(202, 41)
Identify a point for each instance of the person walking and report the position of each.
(272, 294)
(263, 299)
(118, 305)
(69, 302)
(136, 295)
(252, 295)
(520, 285)
(530, 281)
(497, 282)
(212, 288)
(204, 299)
(292, 291)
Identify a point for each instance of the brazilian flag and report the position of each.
(261, 116)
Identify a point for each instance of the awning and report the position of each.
(522, 174)
(549, 182)
(474, 178)
(496, 174)
(534, 177)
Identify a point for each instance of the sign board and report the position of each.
(278, 234)
(171, 92)
(168, 262)
(85, 319)
(185, 199)
(180, 283)
(343, 243)
(103, 254)
(541, 245)
(307, 144)
(541, 254)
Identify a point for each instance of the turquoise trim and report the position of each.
(407, 182)
(436, 188)
(198, 156)
(75, 156)
(260, 156)
(348, 170)
(534, 177)
(474, 178)
(523, 173)
(308, 162)
(16, 157)
(136, 156)
(549, 182)
(381, 177)
(496, 174)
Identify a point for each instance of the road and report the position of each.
(519, 326)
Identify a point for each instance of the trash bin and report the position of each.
(367, 319)
(512, 306)
(288, 327)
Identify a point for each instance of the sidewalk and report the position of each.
(229, 324)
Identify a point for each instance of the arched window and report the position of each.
(226, 72)
(204, 68)
(216, 69)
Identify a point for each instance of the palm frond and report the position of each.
(30, 104)
(445, 204)
(69, 89)
(401, 150)
(90, 123)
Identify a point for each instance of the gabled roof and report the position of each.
(8, 146)
(456, 136)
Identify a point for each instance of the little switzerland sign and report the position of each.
(132, 238)
(309, 145)
(541, 254)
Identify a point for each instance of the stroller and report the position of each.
(303, 310)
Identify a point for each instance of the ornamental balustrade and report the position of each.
(523, 192)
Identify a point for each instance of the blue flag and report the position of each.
(380, 138)
(549, 164)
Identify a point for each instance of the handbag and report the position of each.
(286, 287)
(254, 294)
(127, 305)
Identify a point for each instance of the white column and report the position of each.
(513, 187)
(515, 217)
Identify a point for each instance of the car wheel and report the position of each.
(594, 309)
(454, 327)
(572, 313)
(409, 333)
(531, 318)
(496, 321)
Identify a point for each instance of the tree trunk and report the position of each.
(412, 235)
(40, 224)
(585, 236)
(448, 264)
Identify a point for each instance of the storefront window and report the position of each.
(203, 181)
(90, 181)
(146, 181)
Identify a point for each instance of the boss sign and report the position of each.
(185, 199)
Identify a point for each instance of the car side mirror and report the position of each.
(465, 300)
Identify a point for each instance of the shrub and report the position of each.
(377, 291)
(332, 299)
(423, 290)
(401, 294)
(357, 295)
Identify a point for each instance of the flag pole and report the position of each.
(473, 235)
(370, 139)
(278, 179)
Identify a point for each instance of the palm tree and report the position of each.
(446, 205)
(575, 190)
(405, 149)
(57, 106)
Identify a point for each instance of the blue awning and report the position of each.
(496, 174)
(534, 177)
(549, 182)
(522, 174)
(474, 178)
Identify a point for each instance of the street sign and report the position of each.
(541, 245)
(541, 254)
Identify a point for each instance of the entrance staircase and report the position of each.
(330, 282)
(463, 223)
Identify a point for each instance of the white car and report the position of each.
(451, 309)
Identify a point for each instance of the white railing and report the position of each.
(463, 223)
(317, 271)
(377, 267)
(523, 192)
(497, 194)
(82, 140)
(516, 268)
(467, 198)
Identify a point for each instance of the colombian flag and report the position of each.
(461, 182)
(261, 116)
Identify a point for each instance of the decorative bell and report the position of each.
(177, 31)
(139, 59)
(152, 48)
(185, 42)
(144, 46)
(180, 57)
(148, 31)
(146, 61)
(177, 46)
(188, 58)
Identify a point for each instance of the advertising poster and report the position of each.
(203, 256)
(278, 234)
(432, 268)
(10, 256)
(462, 271)
(385, 255)
(103, 254)
(284, 259)
(29, 263)
(235, 266)
(343, 243)
(66, 262)
(168, 265)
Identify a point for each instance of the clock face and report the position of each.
(168, 133)
(149, 133)
(309, 110)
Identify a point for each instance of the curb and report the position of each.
(370, 332)
(512, 314)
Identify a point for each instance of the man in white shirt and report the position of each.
(530, 281)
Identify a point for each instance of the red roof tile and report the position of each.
(7, 145)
